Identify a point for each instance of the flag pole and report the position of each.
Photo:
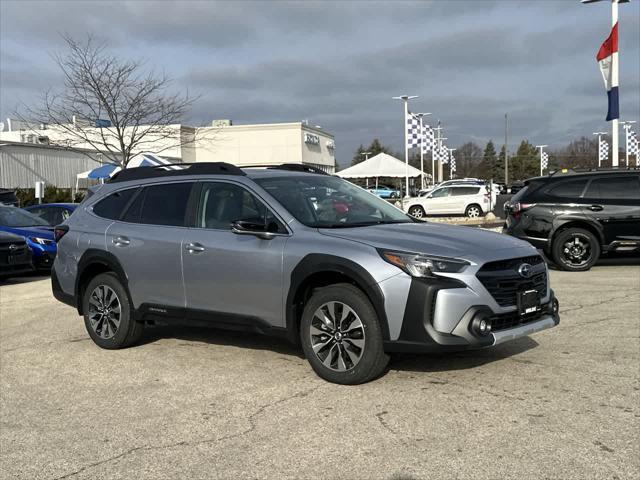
(406, 98)
(616, 81)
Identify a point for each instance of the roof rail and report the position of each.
(293, 167)
(570, 171)
(176, 169)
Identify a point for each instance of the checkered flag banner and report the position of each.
(453, 163)
(444, 154)
(545, 160)
(413, 131)
(632, 143)
(428, 138)
(603, 151)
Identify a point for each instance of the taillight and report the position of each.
(521, 207)
(59, 232)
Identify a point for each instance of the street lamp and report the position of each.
(405, 99)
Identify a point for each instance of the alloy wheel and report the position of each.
(337, 336)
(104, 311)
(473, 212)
(576, 251)
(415, 212)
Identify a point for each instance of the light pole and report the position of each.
(422, 140)
(614, 76)
(627, 131)
(366, 157)
(436, 148)
(599, 142)
(405, 99)
(541, 147)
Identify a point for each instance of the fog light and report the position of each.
(481, 326)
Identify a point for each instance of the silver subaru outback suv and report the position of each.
(289, 250)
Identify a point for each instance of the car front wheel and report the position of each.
(416, 211)
(341, 335)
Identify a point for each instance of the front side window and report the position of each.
(223, 203)
(441, 192)
(614, 188)
(324, 201)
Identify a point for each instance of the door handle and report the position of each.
(194, 248)
(596, 208)
(121, 241)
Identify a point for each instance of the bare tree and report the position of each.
(117, 107)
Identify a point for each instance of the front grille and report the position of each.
(503, 282)
(18, 254)
(505, 321)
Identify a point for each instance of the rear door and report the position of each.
(147, 240)
(614, 202)
(463, 196)
(237, 277)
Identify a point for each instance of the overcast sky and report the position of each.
(339, 63)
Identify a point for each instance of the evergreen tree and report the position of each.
(374, 149)
(498, 167)
(489, 159)
(526, 162)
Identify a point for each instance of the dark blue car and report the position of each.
(36, 231)
(52, 213)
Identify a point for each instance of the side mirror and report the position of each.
(248, 227)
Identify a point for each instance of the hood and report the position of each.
(41, 232)
(467, 243)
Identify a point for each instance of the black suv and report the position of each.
(575, 216)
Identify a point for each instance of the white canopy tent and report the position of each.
(381, 165)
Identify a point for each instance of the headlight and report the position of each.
(418, 265)
(41, 241)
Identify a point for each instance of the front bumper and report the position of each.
(439, 316)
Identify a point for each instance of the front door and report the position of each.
(614, 202)
(437, 201)
(237, 277)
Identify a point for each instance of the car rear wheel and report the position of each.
(108, 314)
(417, 211)
(341, 335)
(473, 211)
(575, 249)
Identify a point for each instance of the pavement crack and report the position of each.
(252, 426)
(380, 417)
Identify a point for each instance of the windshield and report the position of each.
(16, 217)
(330, 202)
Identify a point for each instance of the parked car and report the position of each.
(577, 216)
(515, 187)
(15, 256)
(37, 233)
(8, 197)
(469, 200)
(292, 251)
(52, 213)
(385, 192)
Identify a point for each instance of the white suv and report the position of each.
(470, 200)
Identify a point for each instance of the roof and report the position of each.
(381, 165)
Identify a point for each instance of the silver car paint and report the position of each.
(239, 280)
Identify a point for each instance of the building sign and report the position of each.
(312, 139)
(331, 145)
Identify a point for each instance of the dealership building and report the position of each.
(29, 155)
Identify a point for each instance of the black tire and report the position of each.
(473, 211)
(106, 333)
(372, 360)
(417, 211)
(584, 253)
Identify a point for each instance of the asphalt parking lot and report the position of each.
(188, 403)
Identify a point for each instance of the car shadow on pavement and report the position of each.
(216, 336)
(405, 362)
(464, 360)
(24, 278)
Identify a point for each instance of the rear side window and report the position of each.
(614, 188)
(458, 191)
(568, 188)
(165, 204)
(112, 206)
